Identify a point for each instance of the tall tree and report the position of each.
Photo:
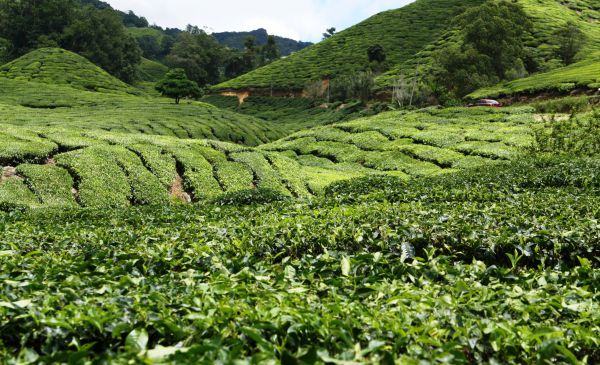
(199, 55)
(570, 40)
(376, 53)
(250, 52)
(496, 30)
(491, 47)
(27, 22)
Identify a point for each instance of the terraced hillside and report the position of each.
(61, 67)
(67, 107)
(583, 75)
(410, 35)
(402, 32)
(61, 166)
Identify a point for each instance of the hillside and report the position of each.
(60, 67)
(584, 75)
(402, 32)
(236, 40)
(409, 36)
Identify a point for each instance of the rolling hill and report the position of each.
(402, 32)
(137, 231)
(409, 36)
(61, 67)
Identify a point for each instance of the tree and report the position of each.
(97, 34)
(129, 19)
(100, 36)
(376, 53)
(250, 53)
(149, 45)
(5, 48)
(570, 40)
(329, 33)
(271, 50)
(176, 85)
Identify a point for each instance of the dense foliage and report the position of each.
(491, 48)
(411, 36)
(41, 104)
(145, 168)
(137, 231)
(60, 67)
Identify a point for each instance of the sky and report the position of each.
(304, 20)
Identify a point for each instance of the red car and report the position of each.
(487, 102)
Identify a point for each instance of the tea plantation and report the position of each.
(280, 231)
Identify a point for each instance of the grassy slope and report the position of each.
(546, 16)
(60, 67)
(142, 167)
(146, 32)
(149, 73)
(402, 32)
(584, 74)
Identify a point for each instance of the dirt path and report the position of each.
(178, 192)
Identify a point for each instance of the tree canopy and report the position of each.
(176, 85)
(491, 47)
(570, 40)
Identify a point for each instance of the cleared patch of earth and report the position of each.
(7, 173)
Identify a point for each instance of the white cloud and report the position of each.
(302, 19)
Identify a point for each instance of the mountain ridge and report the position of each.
(235, 40)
